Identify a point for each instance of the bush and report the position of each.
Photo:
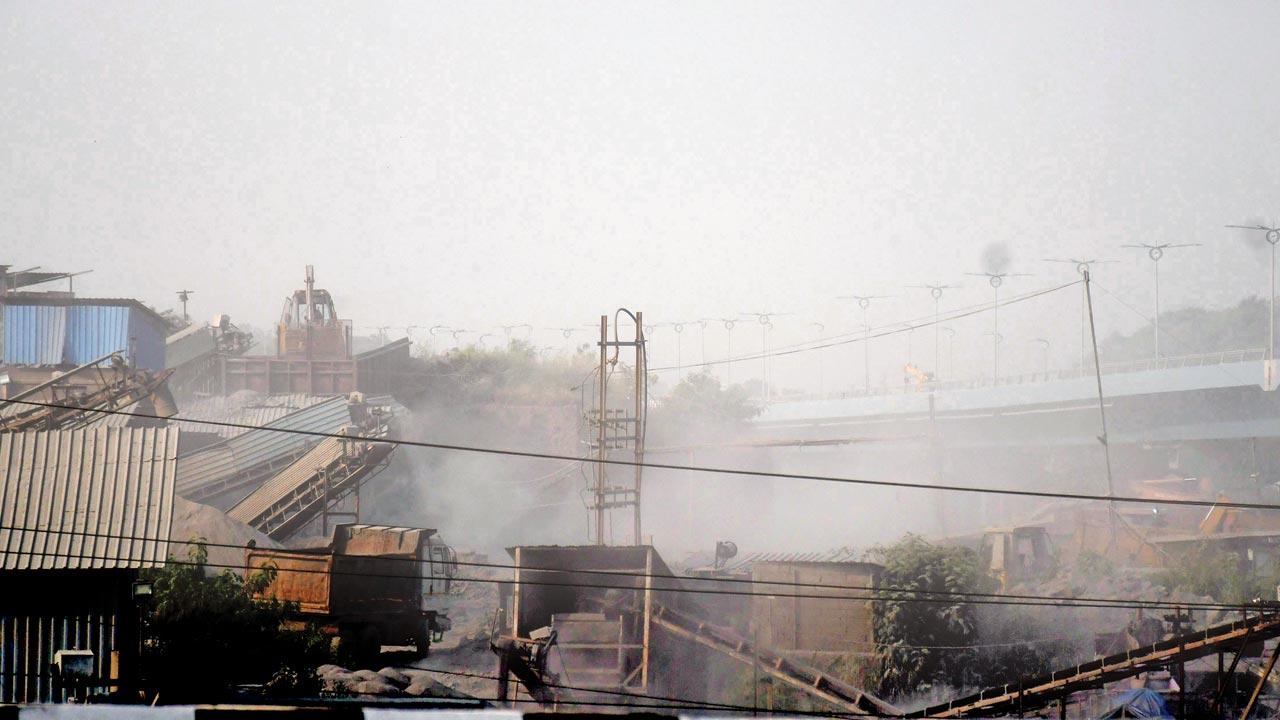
(204, 634)
(923, 643)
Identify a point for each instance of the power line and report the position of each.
(902, 327)
(893, 593)
(706, 704)
(1045, 494)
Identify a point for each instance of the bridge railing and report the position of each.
(1225, 357)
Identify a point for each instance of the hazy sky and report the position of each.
(476, 164)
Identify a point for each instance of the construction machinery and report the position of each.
(368, 586)
(84, 394)
(309, 326)
(1014, 554)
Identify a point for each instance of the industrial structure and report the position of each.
(81, 513)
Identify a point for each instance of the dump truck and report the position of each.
(366, 586)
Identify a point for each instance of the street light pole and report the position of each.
(936, 292)
(951, 351)
(728, 365)
(821, 329)
(996, 280)
(1155, 252)
(1082, 267)
(1273, 237)
(864, 302)
(1045, 345)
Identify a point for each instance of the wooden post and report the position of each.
(1262, 682)
(648, 611)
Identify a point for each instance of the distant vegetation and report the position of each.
(515, 373)
(1207, 570)
(1191, 331)
(700, 409)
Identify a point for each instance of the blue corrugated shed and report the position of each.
(80, 330)
(34, 334)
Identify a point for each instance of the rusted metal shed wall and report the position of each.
(787, 622)
(63, 492)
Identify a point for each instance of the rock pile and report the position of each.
(387, 682)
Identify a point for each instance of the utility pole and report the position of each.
(1102, 407)
(183, 297)
(1155, 252)
(1081, 266)
(618, 429)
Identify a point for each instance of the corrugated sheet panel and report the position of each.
(187, 344)
(243, 408)
(284, 484)
(34, 334)
(94, 331)
(60, 612)
(59, 488)
(250, 449)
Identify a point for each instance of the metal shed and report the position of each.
(81, 511)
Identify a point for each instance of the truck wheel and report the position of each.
(370, 647)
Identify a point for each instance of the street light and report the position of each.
(1082, 267)
(951, 350)
(996, 280)
(1155, 252)
(432, 330)
(936, 292)
(766, 324)
(1272, 236)
(1045, 345)
(821, 329)
(728, 365)
(864, 302)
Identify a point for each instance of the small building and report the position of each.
(792, 613)
(81, 513)
(787, 610)
(601, 602)
(59, 330)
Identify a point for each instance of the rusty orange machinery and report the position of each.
(314, 354)
(369, 585)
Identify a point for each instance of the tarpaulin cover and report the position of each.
(1139, 703)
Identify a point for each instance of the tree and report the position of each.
(204, 634)
(925, 642)
(699, 409)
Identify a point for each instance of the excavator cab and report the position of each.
(1014, 554)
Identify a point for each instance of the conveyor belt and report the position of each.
(1039, 692)
(802, 677)
(284, 504)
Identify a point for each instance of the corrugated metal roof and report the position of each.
(242, 408)
(189, 343)
(253, 448)
(837, 555)
(34, 335)
(110, 481)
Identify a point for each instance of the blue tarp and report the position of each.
(1140, 703)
